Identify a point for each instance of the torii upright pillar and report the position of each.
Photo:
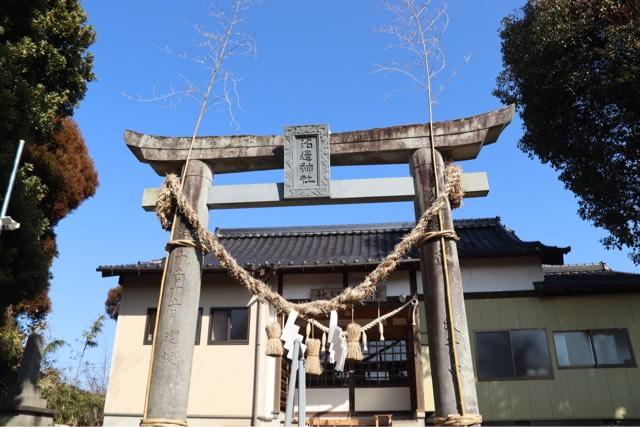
(446, 384)
(168, 390)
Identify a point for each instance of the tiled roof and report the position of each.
(586, 279)
(575, 268)
(361, 244)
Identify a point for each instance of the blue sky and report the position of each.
(314, 65)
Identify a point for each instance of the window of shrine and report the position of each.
(385, 363)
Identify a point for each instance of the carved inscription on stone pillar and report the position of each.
(306, 161)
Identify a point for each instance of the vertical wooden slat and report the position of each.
(418, 380)
(352, 388)
(413, 282)
(280, 282)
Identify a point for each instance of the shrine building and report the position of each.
(551, 343)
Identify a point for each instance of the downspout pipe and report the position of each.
(256, 364)
(291, 387)
(302, 392)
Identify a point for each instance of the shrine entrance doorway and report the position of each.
(385, 381)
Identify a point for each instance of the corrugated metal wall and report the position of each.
(579, 393)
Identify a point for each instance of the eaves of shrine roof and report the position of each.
(348, 246)
(580, 279)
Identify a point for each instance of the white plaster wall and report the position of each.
(478, 275)
(501, 274)
(383, 399)
(498, 274)
(298, 286)
(326, 400)
(397, 283)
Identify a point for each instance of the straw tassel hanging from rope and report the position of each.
(314, 367)
(313, 357)
(353, 340)
(274, 345)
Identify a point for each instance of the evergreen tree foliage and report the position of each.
(44, 70)
(45, 66)
(572, 67)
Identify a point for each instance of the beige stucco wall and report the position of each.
(130, 359)
(222, 376)
(601, 393)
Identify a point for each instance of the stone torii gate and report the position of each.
(455, 140)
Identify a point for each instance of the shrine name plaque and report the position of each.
(307, 171)
(328, 293)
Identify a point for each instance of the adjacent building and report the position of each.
(552, 343)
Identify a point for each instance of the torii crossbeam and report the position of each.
(460, 139)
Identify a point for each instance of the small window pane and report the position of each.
(151, 322)
(239, 324)
(219, 326)
(493, 345)
(149, 326)
(495, 369)
(573, 349)
(612, 347)
(530, 353)
(494, 355)
(199, 326)
(384, 363)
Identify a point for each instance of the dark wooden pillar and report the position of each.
(418, 372)
(168, 393)
(445, 386)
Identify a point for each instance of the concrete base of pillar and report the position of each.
(26, 412)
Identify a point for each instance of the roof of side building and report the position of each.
(576, 279)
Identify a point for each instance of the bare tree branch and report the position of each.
(216, 46)
(418, 28)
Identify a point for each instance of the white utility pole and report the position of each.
(6, 222)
